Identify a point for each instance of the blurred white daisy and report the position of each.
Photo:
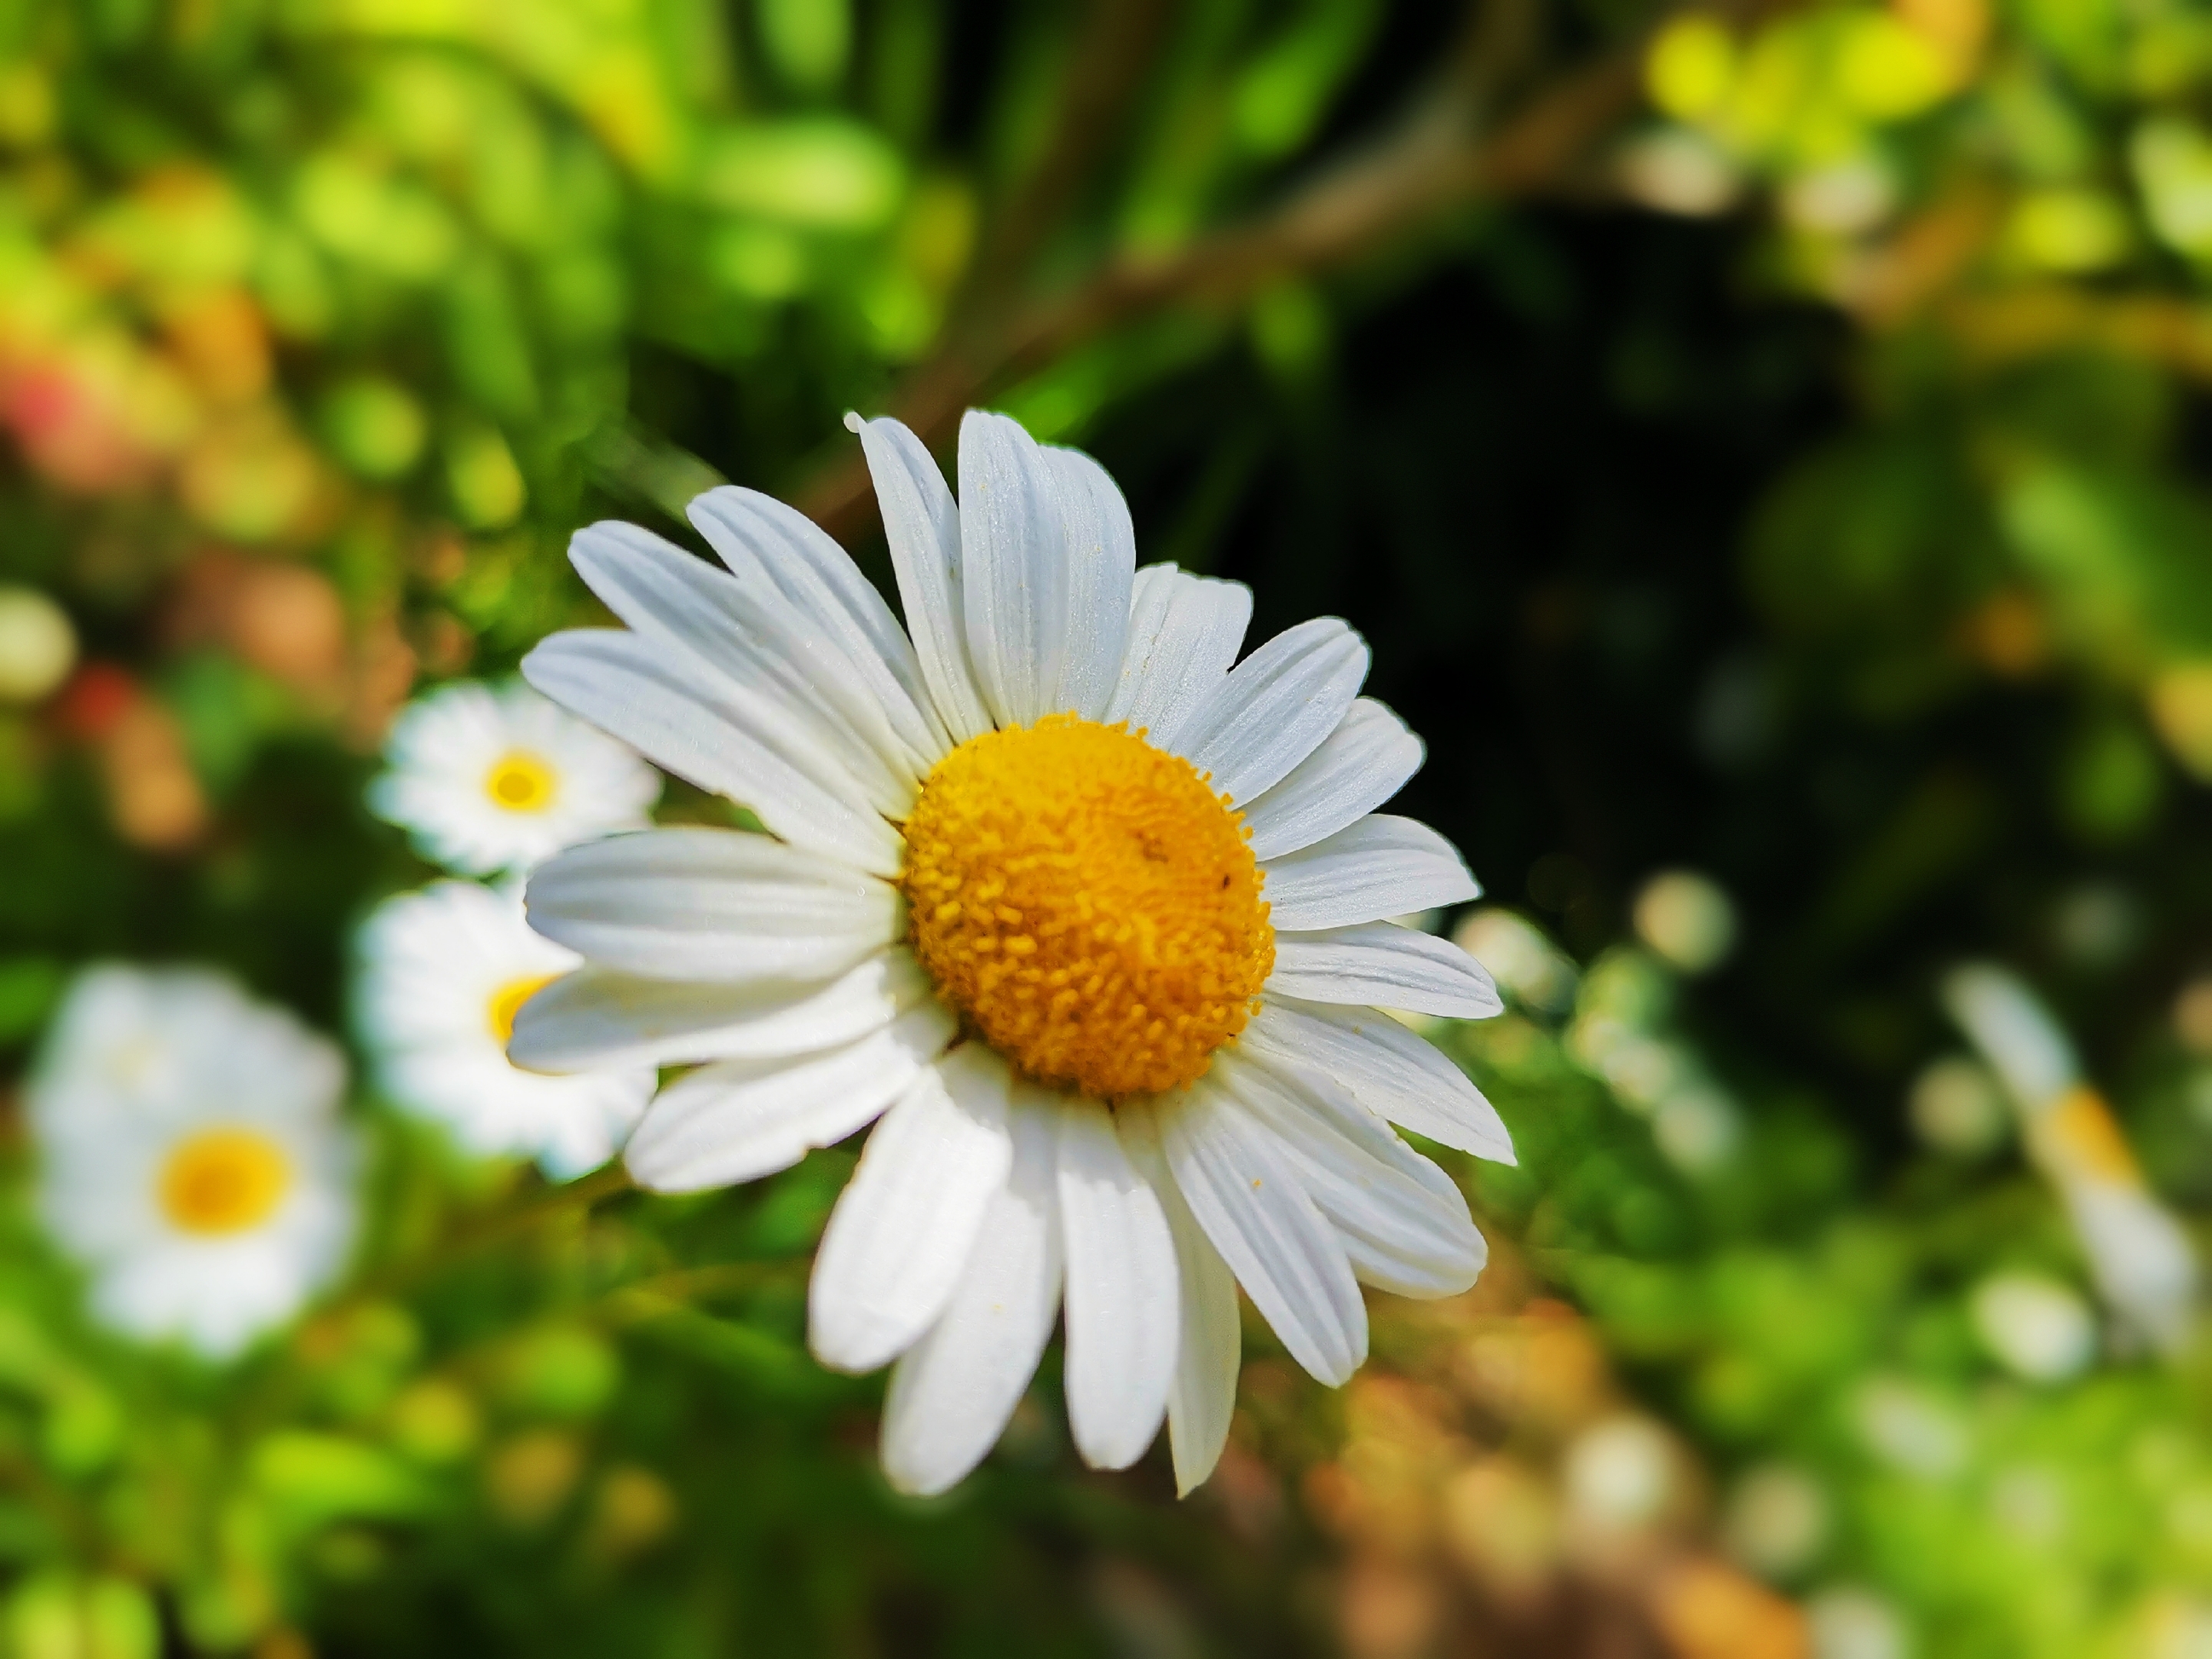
(190, 1154)
(1093, 920)
(442, 973)
(486, 779)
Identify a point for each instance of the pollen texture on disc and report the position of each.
(1088, 903)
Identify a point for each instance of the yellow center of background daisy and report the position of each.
(506, 1002)
(223, 1181)
(1088, 903)
(520, 782)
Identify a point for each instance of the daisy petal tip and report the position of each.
(1112, 1460)
(919, 1484)
(853, 424)
(1194, 1469)
(642, 1174)
(536, 666)
(915, 1468)
(848, 1353)
(526, 1056)
(1462, 1276)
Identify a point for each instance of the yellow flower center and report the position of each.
(223, 1181)
(521, 782)
(506, 1002)
(1087, 904)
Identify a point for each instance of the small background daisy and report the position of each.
(190, 1154)
(486, 779)
(442, 974)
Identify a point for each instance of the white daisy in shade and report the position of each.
(1088, 912)
(486, 779)
(441, 975)
(190, 1154)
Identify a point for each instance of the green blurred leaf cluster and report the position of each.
(1768, 439)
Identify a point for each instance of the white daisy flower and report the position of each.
(442, 973)
(486, 779)
(190, 1154)
(1091, 919)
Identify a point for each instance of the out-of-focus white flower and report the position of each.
(2010, 1026)
(190, 1154)
(1910, 1429)
(1621, 1474)
(38, 644)
(1777, 1521)
(1698, 1128)
(1686, 918)
(2041, 1330)
(2142, 1259)
(1679, 170)
(443, 973)
(1629, 985)
(1842, 199)
(488, 779)
(1528, 967)
(1617, 1036)
(2177, 1626)
(1955, 1108)
(2143, 1263)
(1848, 1623)
(2028, 1502)
(1643, 1070)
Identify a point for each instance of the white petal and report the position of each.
(906, 1224)
(1203, 1397)
(951, 1393)
(922, 525)
(1405, 1224)
(711, 904)
(1184, 631)
(738, 1119)
(1363, 762)
(762, 540)
(1102, 561)
(1282, 1249)
(601, 1018)
(721, 736)
(1013, 568)
(1375, 867)
(722, 629)
(1276, 708)
(1377, 965)
(1393, 1071)
(1123, 1323)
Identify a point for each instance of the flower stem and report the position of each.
(507, 1220)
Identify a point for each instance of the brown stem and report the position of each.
(1436, 159)
(1108, 64)
(576, 1197)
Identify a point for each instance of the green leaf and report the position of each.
(822, 173)
(310, 1480)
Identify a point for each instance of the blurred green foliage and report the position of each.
(1766, 440)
